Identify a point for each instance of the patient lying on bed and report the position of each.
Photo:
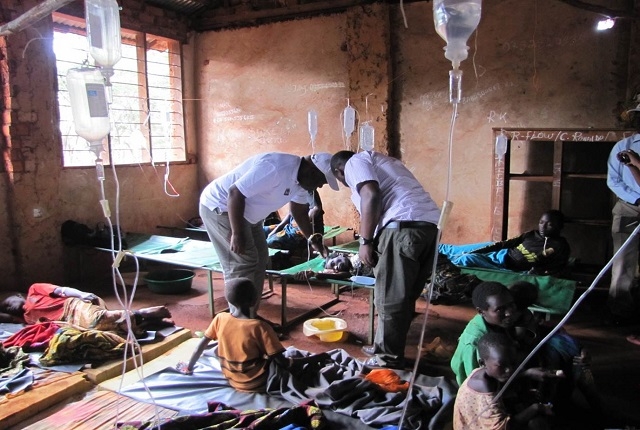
(338, 265)
(246, 346)
(541, 251)
(48, 302)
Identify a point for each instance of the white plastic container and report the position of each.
(366, 136)
(103, 31)
(455, 21)
(89, 105)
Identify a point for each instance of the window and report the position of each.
(147, 123)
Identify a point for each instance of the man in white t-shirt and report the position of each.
(234, 206)
(398, 233)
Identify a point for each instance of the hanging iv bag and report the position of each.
(455, 21)
(103, 32)
(313, 124)
(366, 136)
(349, 120)
(89, 106)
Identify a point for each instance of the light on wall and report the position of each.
(605, 24)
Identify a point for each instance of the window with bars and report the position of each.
(145, 109)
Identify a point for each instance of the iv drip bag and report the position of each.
(366, 136)
(89, 106)
(313, 125)
(501, 145)
(103, 31)
(349, 121)
(455, 21)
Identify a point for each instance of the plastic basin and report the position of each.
(171, 281)
(328, 329)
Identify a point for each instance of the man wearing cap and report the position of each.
(234, 206)
(398, 232)
(623, 178)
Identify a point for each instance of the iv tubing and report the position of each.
(568, 314)
(446, 208)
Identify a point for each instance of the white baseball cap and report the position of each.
(635, 109)
(322, 161)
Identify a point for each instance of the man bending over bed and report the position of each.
(48, 302)
(541, 251)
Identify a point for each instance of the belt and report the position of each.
(408, 224)
(629, 203)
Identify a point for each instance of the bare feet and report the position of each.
(155, 312)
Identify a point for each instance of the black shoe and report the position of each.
(370, 350)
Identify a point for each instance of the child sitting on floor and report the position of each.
(246, 346)
(476, 407)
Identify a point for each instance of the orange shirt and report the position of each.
(244, 348)
(41, 303)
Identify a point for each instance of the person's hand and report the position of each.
(183, 368)
(368, 256)
(236, 243)
(89, 298)
(304, 275)
(628, 157)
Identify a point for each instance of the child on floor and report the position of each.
(475, 405)
(246, 346)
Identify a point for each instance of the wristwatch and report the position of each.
(364, 241)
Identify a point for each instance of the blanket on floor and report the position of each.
(340, 386)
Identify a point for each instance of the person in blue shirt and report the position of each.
(623, 178)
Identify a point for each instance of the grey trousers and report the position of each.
(252, 264)
(404, 265)
(625, 266)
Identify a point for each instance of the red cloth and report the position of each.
(42, 305)
(35, 336)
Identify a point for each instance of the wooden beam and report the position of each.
(32, 16)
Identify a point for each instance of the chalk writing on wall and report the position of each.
(303, 89)
(497, 116)
(559, 135)
(235, 118)
(544, 43)
(430, 101)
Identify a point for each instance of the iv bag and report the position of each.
(349, 121)
(366, 136)
(103, 31)
(89, 105)
(455, 21)
(501, 145)
(313, 124)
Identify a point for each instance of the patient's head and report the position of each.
(12, 303)
(241, 293)
(338, 262)
(551, 223)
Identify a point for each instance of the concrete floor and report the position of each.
(616, 362)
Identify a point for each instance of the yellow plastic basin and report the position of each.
(328, 329)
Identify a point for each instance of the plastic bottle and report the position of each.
(89, 106)
(366, 136)
(103, 32)
(455, 21)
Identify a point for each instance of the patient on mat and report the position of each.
(338, 265)
(246, 346)
(287, 235)
(48, 302)
(541, 251)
